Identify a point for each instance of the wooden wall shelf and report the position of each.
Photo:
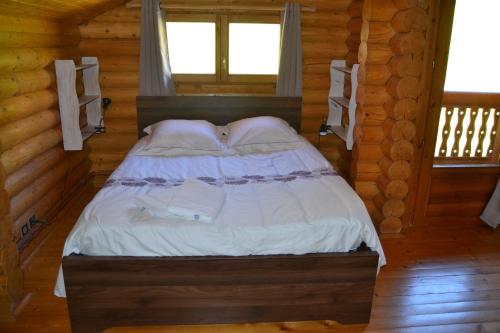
(337, 101)
(70, 103)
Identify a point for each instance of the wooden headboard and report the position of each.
(219, 110)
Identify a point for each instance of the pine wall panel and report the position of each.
(114, 38)
(36, 174)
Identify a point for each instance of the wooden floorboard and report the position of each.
(438, 280)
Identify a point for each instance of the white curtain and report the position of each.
(155, 75)
(491, 214)
(290, 71)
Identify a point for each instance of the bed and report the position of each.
(121, 269)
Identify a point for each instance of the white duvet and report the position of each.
(287, 202)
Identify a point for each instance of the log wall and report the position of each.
(35, 173)
(394, 38)
(114, 38)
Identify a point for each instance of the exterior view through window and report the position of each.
(224, 48)
(470, 113)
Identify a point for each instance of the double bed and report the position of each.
(292, 241)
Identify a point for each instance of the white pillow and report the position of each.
(181, 137)
(262, 135)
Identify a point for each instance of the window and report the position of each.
(224, 48)
(185, 56)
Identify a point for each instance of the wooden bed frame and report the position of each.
(104, 292)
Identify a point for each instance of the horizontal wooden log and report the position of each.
(114, 47)
(405, 87)
(354, 25)
(108, 141)
(369, 134)
(395, 170)
(380, 32)
(22, 39)
(380, 10)
(399, 129)
(372, 95)
(20, 179)
(391, 225)
(119, 79)
(243, 89)
(16, 157)
(371, 115)
(392, 189)
(402, 109)
(122, 63)
(413, 19)
(389, 207)
(113, 30)
(22, 106)
(367, 190)
(406, 65)
(25, 82)
(122, 111)
(398, 150)
(326, 19)
(21, 130)
(355, 8)
(27, 59)
(405, 4)
(374, 74)
(376, 54)
(26, 198)
(43, 208)
(368, 152)
(367, 171)
(353, 42)
(32, 25)
(121, 126)
(406, 43)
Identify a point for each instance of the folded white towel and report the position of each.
(194, 200)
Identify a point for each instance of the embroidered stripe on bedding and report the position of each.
(248, 179)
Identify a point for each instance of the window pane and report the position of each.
(254, 48)
(191, 46)
(473, 61)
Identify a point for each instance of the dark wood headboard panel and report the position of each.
(219, 110)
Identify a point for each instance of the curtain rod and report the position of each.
(258, 8)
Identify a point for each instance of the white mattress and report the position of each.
(287, 202)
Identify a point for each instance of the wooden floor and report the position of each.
(437, 280)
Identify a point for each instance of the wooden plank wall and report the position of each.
(459, 193)
(394, 38)
(36, 174)
(114, 38)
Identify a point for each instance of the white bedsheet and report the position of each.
(287, 202)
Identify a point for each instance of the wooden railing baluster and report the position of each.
(455, 150)
(478, 109)
(446, 132)
(482, 132)
(471, 130)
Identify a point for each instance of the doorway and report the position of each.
(460, 159)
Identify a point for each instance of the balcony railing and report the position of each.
(468, 128)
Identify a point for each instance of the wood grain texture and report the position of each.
(114, 38)
(219, 110)
(207, 290)
(30, 149)
(438, 279)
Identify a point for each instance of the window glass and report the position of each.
(473, 61)
(254, 48)
(191, 47)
